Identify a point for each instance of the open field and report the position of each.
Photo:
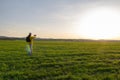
(60, 60)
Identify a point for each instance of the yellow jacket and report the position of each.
(31, 38)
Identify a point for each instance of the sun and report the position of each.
(99, 23)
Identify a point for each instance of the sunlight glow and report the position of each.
(99, 23)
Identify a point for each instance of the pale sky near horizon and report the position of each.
(56, 18)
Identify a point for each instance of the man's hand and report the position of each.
(35, 35)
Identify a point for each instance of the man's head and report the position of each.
(30, 33)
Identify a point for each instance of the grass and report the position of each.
(60, 60)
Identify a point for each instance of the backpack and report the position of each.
(28, 39)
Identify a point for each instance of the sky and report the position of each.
(50, 18)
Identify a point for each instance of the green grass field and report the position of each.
(60, 60)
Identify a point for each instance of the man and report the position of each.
(29, 40)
